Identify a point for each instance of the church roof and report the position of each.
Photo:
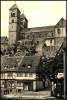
(39, 29)
(61, 23)
(14, 7)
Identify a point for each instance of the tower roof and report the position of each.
(14, 7)
(61, 23)
(23, 16)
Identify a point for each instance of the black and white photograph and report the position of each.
(33, 50)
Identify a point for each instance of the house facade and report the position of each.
(17, 77)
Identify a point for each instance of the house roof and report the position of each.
(33, 61)
(14, 7)
(10, 62)
(4, 40)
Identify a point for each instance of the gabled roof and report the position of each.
(14, 7)
(29, 60)
(61, 23)
(4, 40)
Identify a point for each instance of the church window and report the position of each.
(12, 26)
(12, 21)
(58, 30)
(12, 14)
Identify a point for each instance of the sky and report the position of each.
(38, 13)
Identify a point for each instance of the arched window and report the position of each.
(12, 21)
(58, 30)
(12, 14)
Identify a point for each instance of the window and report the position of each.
(20, 74)
(52, 34)
(30, 74)
(27, 36)
(10, 74)
(12, 14)
(58, 30)
(25, 42)
(12, 21)
(50, 41)
(26, 74)
(11, 90)
(19, 90)
(37, 42)
(12, 26)
(12, 84)
(39, 35)
(30, 65)
(6, 67)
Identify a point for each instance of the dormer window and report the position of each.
(29, 66)
(12, 14)
(58, 30)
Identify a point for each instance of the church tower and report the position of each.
(14, 24)
(60, 33)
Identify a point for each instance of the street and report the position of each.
(29, 95)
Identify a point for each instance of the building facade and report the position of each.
(49, 36)
(17, 77)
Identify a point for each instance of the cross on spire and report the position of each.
(15, 2)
